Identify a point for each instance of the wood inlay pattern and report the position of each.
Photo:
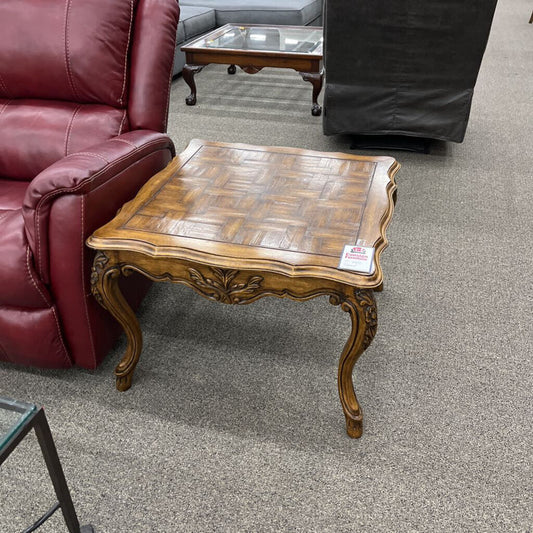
(237, 223)
(308, 204)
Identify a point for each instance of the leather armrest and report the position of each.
(80, 173)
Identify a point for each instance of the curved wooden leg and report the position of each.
(315, 78)
(363, 313)
(104, 286)
(250, 69)
(232, 69)
(188, 73)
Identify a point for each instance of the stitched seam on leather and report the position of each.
(65, 352)
(37, 288)
(92, 154)
(38, 235)
(125, 142)
(97, 174)
(4, 107)
(122, 122)
(57, 192)
(165, 121)
(67, 52)
(83, 278)
(121, 99)
(4, 86)
(69, 128)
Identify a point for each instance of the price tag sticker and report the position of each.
(357, 258)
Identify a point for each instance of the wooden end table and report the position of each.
(255, 46)
(238, 222)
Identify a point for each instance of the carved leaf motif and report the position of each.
(366, 300)
(99, 264)
(221, 287)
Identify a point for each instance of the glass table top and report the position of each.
(284, 39)
(13, 414)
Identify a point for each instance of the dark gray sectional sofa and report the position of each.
(200, 16)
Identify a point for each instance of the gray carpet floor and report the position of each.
(233, 423)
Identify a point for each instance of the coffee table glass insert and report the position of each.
(253, 47)
(292, 40)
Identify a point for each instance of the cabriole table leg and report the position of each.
(188, 73)
(104, 286)
(363, 313)
(316, 79)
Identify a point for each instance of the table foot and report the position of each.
(232, 69)
(123, 382)
(316, 79)
(104, 286)
(354, 427)
(362, 309)
(188, 73)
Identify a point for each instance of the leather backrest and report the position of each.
(74, 73)
(151, 60)
(75, 50)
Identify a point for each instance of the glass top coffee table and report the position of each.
(255, 46)
(17, 419)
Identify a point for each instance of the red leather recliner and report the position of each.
(84, 91)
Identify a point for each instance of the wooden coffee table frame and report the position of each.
(231, 276)
(309, 66)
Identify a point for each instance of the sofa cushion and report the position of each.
(295, 13)
(195, 20)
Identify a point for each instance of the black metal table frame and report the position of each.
(37, 420)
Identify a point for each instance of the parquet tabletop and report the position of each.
(284, 210)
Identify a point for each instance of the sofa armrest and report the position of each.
(79, 174)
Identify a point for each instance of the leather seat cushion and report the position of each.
(36, 133)
(11, 194)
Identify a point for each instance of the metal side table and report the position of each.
(16, 420)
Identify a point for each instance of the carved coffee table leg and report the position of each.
(363, 313)
(188, 73)
(316, 79)
(104, 286)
